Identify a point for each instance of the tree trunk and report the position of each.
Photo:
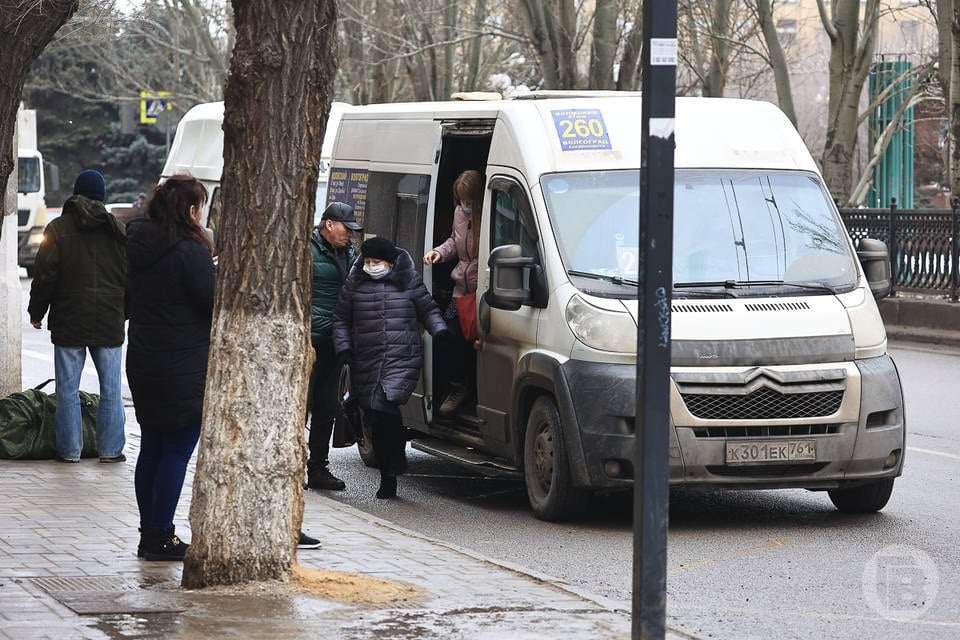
(850, 61)
(778, 61)
(628, 78)
(716, 78)
(546, 48)
(604, 45)
(475, 47)
(25, 28)
(248, 488)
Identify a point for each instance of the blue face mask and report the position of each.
(467, 209)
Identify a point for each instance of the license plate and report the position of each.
(749, 452)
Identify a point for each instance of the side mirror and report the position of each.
(875, 258)
(509, 289)
(53, 174)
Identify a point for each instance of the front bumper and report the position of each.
(863, 439)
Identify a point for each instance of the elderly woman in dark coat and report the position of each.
(170, 284)
(376, 329)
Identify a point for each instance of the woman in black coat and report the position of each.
(376, 329)
(170, 284)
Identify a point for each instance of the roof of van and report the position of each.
(197, 147)
(709, 132)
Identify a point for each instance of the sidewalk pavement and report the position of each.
(68, 569)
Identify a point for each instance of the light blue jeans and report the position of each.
(68, 366)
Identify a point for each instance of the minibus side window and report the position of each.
(510, 226)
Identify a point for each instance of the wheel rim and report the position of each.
(543, 459)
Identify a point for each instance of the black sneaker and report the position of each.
(323, 479)
(306, 542)
(60, 458)
(110, 459)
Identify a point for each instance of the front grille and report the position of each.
(766, 470)
(765, 431)
(23, 217)
(763, 403)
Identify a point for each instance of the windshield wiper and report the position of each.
(603, 276)
(742, 284)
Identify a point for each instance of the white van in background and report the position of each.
(197, 149)
(780, 374)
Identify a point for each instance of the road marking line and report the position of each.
(934, 453)
(691, 566)
(773, 544)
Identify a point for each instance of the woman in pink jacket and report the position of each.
(463, 246)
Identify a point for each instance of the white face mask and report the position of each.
(376, 271)
(467, 209)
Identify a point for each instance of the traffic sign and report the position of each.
(152, 105)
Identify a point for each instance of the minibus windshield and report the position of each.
(772, 231)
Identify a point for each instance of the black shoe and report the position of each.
(109, 459)
(388, 488)
(306, 542)
(60, 458)
(323, 479)
(163, 546)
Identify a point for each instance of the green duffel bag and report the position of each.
(27, 430)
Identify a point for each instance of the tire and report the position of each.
(367, 453)
(30, 271)
(546, 468)
(866, 498)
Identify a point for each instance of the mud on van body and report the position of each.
(780, 375)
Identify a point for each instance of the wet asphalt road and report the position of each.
(747, 564)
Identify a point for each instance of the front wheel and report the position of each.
(866, 498)
(546, 468)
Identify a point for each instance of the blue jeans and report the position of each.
(161, 469)
(68, 366)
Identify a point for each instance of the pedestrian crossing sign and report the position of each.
(152, 105)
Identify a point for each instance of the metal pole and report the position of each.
(651, 492)
(954, 252)
(894, 258)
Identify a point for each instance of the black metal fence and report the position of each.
(923, 245)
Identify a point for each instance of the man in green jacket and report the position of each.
(81, 276)
(333, 254)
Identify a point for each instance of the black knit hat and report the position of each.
(380, 248)
(90, 184)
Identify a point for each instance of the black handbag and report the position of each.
(348, 425)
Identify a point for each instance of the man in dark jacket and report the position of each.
(332, 256)
(80, 276)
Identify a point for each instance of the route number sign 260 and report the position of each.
(581, 129)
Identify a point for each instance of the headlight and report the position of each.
(601, 328)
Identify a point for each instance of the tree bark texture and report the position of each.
(852, 45)
(248, 489)
(25, 29)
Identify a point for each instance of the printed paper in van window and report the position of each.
(581, 129)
